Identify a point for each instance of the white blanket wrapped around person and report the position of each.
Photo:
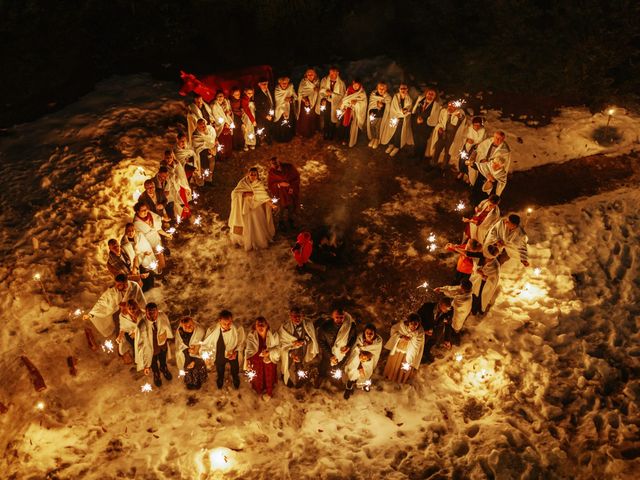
(253, 346)
(411, 347)
(363, 359)
(343, 337)
(144, 339)
(288, 343)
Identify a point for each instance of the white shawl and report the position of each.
(309, 90)
(357, 101)
(101, 314)
(204, 140)
(184, 154)
(143, 342)
(389, 121)
(222, 115)
(432, 119)
(475, 135)
(196, 339)
(150, 232)
(193, 115)
(283, 107)
(253, 344)
(502, 151)
(140, 248)
(461, 305)
(500, 174)
(242, 207)
(287, 340)
(343, 336)
(457, 117)
(491, 269)
(415, 344)
(353, 362)
(374, 98)
(333, 102)
(233, 340)
(247, 125)
(479, 232)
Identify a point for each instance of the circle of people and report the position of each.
(300, 352)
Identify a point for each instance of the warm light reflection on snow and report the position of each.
(531, 292)
(459, 357)
(40, 405)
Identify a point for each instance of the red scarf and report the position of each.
(346, 118)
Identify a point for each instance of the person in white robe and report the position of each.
(353, 113)
(103, 313)
(205, 145)
(489, 167)
(186, 156)
(486, 214)
(179, 191)
(424, 118)
(508, 235)
(336, 336)
(150, 225)
(405, 345)
(249, 119)
(396, 124)
(332, 89)
(485, 280)
(308, 95)
(251, 217)
(450, 121)
(188, 340)
(151, 344)
(379, 101)
(128, 318)
(136, 245)
(461, 302)
(284, 117)
(223, 344)
(475, 134)
(299, 347)
(261, 357)
(224, 124)
(362, 361)
(198, 110)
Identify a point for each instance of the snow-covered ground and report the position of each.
(545, 386)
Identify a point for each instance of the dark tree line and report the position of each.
(582, 51)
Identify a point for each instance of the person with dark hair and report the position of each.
(163, 188)
(487, 213)
(405, 346)
(261, 356)
(476, 133)
(396, 124)
(137, 246)
(284, 119)
(362, 360)
(336, 336)
(436, 322)
(332, 89)
(198, 110)
(299, 348)
(205, 146)
(150, 225)
(466, 253)
(461, 302)
(154, 199)
(424, 118)
(265, 110)
(379, 101)
(249, 119)
(151, 347)
(251, 217)
(188, 338)
(307, 122)
(178, 188)
(236, 109)
(485, 280)
(352, 113)
(444, 134)
(284, 185)
(119, 261)
(510, 238)
(104, 314)
(489, 166)
(223, 118)
(222, 345)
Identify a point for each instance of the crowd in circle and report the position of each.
(302, 352)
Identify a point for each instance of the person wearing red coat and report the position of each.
(284, 185)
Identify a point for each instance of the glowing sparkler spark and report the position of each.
(36, 277)
(153, 265)
(406, 366)
(178, 220)
(207, 172)
(424, 285)
(460, 206)
(307, 109)
(302, 374)
(107, 346)
(220, 120)
(198, 220)
(195, 195)
(393, 122)
(260, 131)
(181, 373)
(323, 108)
(339, 113)
(537, 271)
(285, 122)
(431, 238)
(146, 388)
(40, 405)
(337, 374)
(219, 148)
(372, 117)
(206, 356)
(171, 230)
(433, 247)
(250, 374)
(272, 112)
(464, 154)
(251, 136)
(77, 312)
(159, 249)
(274, 200)
(232, 126)
(136, 195)
(367, 384)
(458, 357)
(458, 103)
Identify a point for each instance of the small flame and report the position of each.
(337, 374)
(406, 366)
(529, 211)
(107, 346)
(146, 388)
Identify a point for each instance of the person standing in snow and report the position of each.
(150, 225)
(486, 214)
(154, 199)
(449, 121)
(119, 261)
(353, 113)
(485, 280)
(299, 347)
(284, 119)
(151, 345)
(362, 360)
(405, 345)
(265, 110)
(379, 101)
(336, 337)
(489, 166)
(136, 245)
(223, 117)
(332, 89)
(283, 181)
(510, 238)
(261, 356)
(222, 345)
(307, 122)
(476, 133)
(188, 338)
(205, 145)
(198, 110)
(396, 124)
(436, 322)
(461, 302)
(424, 118)
(249, 119)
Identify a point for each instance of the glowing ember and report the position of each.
(198, 220)
(40, 405)
(250, 374)
(159, 249)
(406, 366)
(424, 285)
(146, 388)
(107, 346)
(302, 374)
(458, 357)
(393, 122)
(36, 277)
(337, 374)
(460, 206)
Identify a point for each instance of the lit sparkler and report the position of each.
(219, 148)
(251, 136)
(205, 356)
(323, 108)
(272, 112)
(406, 366)
(140, 171)
(337, 374)
(232, 126)
(171, 230)
(458, 103)
(464, 154)
(302, 374)
(274, 200)
(433, 247)
(107, 346)
(424, 285)
(198, 220)
(431, 238)
(529, 211)
(393, 122)
(250, 374)
(159, 249)
(367, 384)
(178, 220)
(146, 388)
(537, 271)
(153, 265)
(372, 117)
(460, 206)
(260, 131)
(339, 113)
(285, 122)
(181, 373)
(220, 120)
(207, 173)
(195, 195)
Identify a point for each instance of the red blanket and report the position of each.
(207, 85)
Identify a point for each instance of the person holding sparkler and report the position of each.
(261, 356)
(476, 133)
(379, 101)
(449, 121)
(362, 361)
(299, 347)
(265, 110)
(405, 345)
(336, 337)
(332, 89)
(308, 93)
(424, 118)
(284, 186)
(396, 124)
(151, 345)
(223, 344)
(188, 339)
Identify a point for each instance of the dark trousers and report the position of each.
(159, 362)
(328, 127)
(147, 283)
(264, 138)
(235, 371)
(443, 144)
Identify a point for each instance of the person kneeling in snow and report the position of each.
(188, 337)
(406, 345)
(261, 356)
(222, 344)
(461, 302)
(151, 343)
(362, 361)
